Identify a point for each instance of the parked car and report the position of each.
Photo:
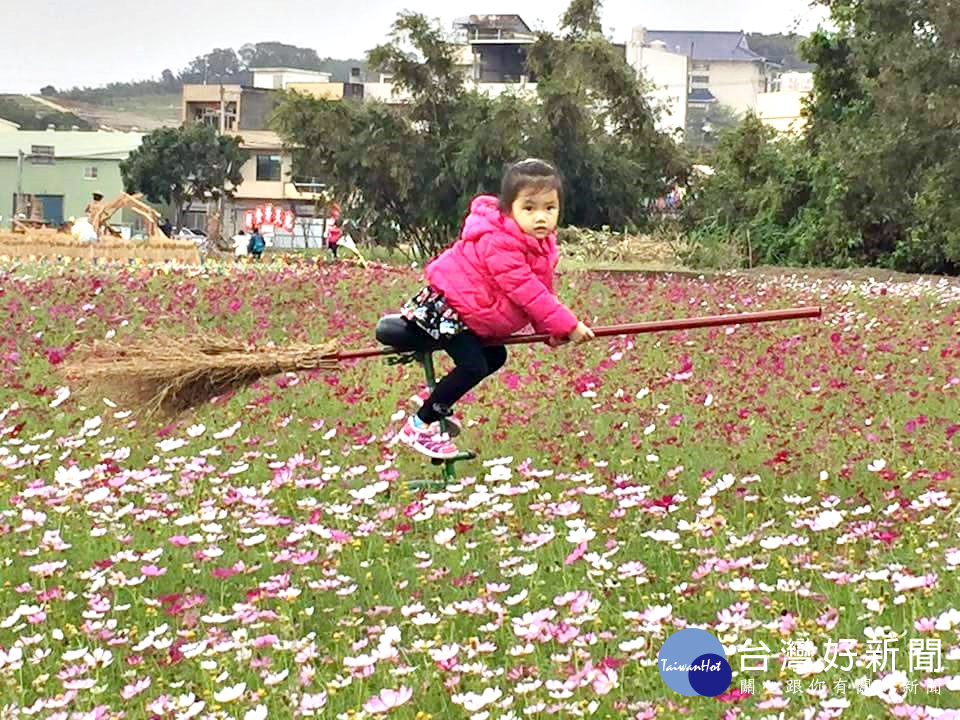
(188, 234)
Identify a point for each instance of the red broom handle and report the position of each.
(630, 328)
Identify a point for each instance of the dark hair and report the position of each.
(530, 173)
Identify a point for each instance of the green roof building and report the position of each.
(58, 171)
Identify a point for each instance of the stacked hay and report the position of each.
(51, 244)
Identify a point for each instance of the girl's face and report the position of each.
(536, 211)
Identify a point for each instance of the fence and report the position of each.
(307, 233)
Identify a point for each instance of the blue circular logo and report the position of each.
(693, 662)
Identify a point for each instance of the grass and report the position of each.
(158, 107)
(782, 484)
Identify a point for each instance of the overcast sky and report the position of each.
(66, 43)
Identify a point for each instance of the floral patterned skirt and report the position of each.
(430, 311)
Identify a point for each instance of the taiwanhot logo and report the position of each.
(693, 662)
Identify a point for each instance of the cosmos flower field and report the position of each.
(789, 487)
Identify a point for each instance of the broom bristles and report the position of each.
(169, 376)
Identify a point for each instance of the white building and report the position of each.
(782, 109)
(667, 72)
(280, 78)
(723, 68)
(793, 81)
(492, 56)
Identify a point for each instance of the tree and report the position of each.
(704, 126)
(600, 124)
(409, 174)
(277, 54)
(169, 80)
(887, 87)
(873, 180)
(180, 165)
(216, 66)
(781, 49)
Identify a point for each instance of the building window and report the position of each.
(268, 168)
(90, 173)
(699, 79)
(41, 154)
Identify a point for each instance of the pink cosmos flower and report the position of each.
(387, 700)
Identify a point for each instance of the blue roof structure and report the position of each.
(701, 95)
(706, 45)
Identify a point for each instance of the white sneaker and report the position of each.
(427, 440)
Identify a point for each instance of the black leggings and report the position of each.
(473, 361)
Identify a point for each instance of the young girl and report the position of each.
(495, 280)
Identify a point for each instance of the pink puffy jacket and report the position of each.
(498, 278)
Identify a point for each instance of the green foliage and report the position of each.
(785, 50)
(179, 165)
(873, 180)
(408, 175)
(705, 125)
(599, 126)
(218, 65)
(32, 116)
(168, 83)
(759, 186)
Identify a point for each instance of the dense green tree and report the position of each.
(873, 180)
(180, 165)
(408, 173)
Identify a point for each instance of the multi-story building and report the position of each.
(245, 111)
(722, 67)
(667, 74)
(492, 55)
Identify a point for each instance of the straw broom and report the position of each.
(167, 376)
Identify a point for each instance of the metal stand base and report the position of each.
(447, 474)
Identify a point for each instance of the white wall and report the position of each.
(279, 79)
(384, 92)
(796, 81)
(781, 110)
(736, 84)
(667, 72)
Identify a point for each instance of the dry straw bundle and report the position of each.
(168, 376)
(47, 243)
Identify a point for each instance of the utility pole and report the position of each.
(19, 203)
(223, 110)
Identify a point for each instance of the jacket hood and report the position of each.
(485, 216)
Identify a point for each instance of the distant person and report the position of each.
(333, 238)
(165, 227)
(256, 244)
(93, 204)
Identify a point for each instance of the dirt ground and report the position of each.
(119, 119)
(641, 254)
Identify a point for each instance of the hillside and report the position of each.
(145, 113)
(31, 115)
(781, 49)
